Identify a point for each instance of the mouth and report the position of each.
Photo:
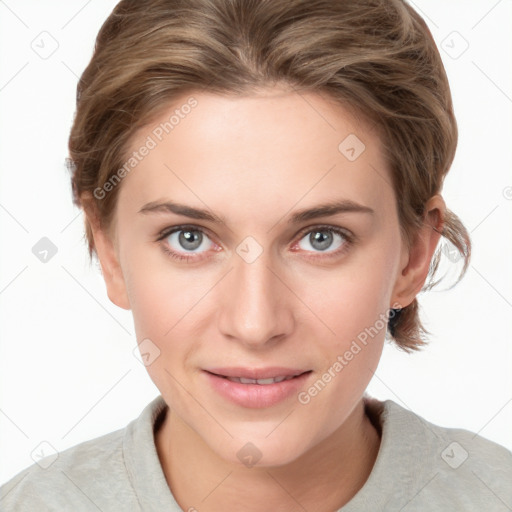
(257, 393)
(261, 382)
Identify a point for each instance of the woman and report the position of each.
(261, 182)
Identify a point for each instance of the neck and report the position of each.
(323, 479)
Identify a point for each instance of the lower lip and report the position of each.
(256, 395)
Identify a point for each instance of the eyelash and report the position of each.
(349, 240)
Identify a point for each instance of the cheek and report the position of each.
(160, 302)
(155, 292)
(353, 305)
(159, 291)
(352, 298)
(168, 303)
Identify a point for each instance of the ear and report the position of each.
(106, 250)
(415, 261)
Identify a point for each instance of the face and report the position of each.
(252, 271)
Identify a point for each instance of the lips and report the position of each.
(262, 382)
(279, 373)
(261, 392)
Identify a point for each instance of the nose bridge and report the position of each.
(254, 308)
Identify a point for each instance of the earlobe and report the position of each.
(108, 258)
(415, 263)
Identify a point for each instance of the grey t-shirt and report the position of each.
(419, 467)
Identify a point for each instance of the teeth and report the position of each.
(270, 380)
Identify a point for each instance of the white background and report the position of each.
(68, 373)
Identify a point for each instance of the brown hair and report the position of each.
(376, 57)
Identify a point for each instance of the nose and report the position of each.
(255, 304)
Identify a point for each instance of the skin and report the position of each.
(256, 160)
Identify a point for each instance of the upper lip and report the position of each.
(256, 373)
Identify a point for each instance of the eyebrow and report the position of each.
(322, 210)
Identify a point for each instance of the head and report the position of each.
(255, 112)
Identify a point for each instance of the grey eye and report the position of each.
(188, 240)
(322, 239)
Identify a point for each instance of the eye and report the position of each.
(325, 239)
(188, 243)
(183, 241)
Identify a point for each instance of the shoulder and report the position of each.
(88, 475)
(446, 468)
(475, 472)
(116, 471)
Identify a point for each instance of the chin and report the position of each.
(261, 452)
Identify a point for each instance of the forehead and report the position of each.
(274, 147)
